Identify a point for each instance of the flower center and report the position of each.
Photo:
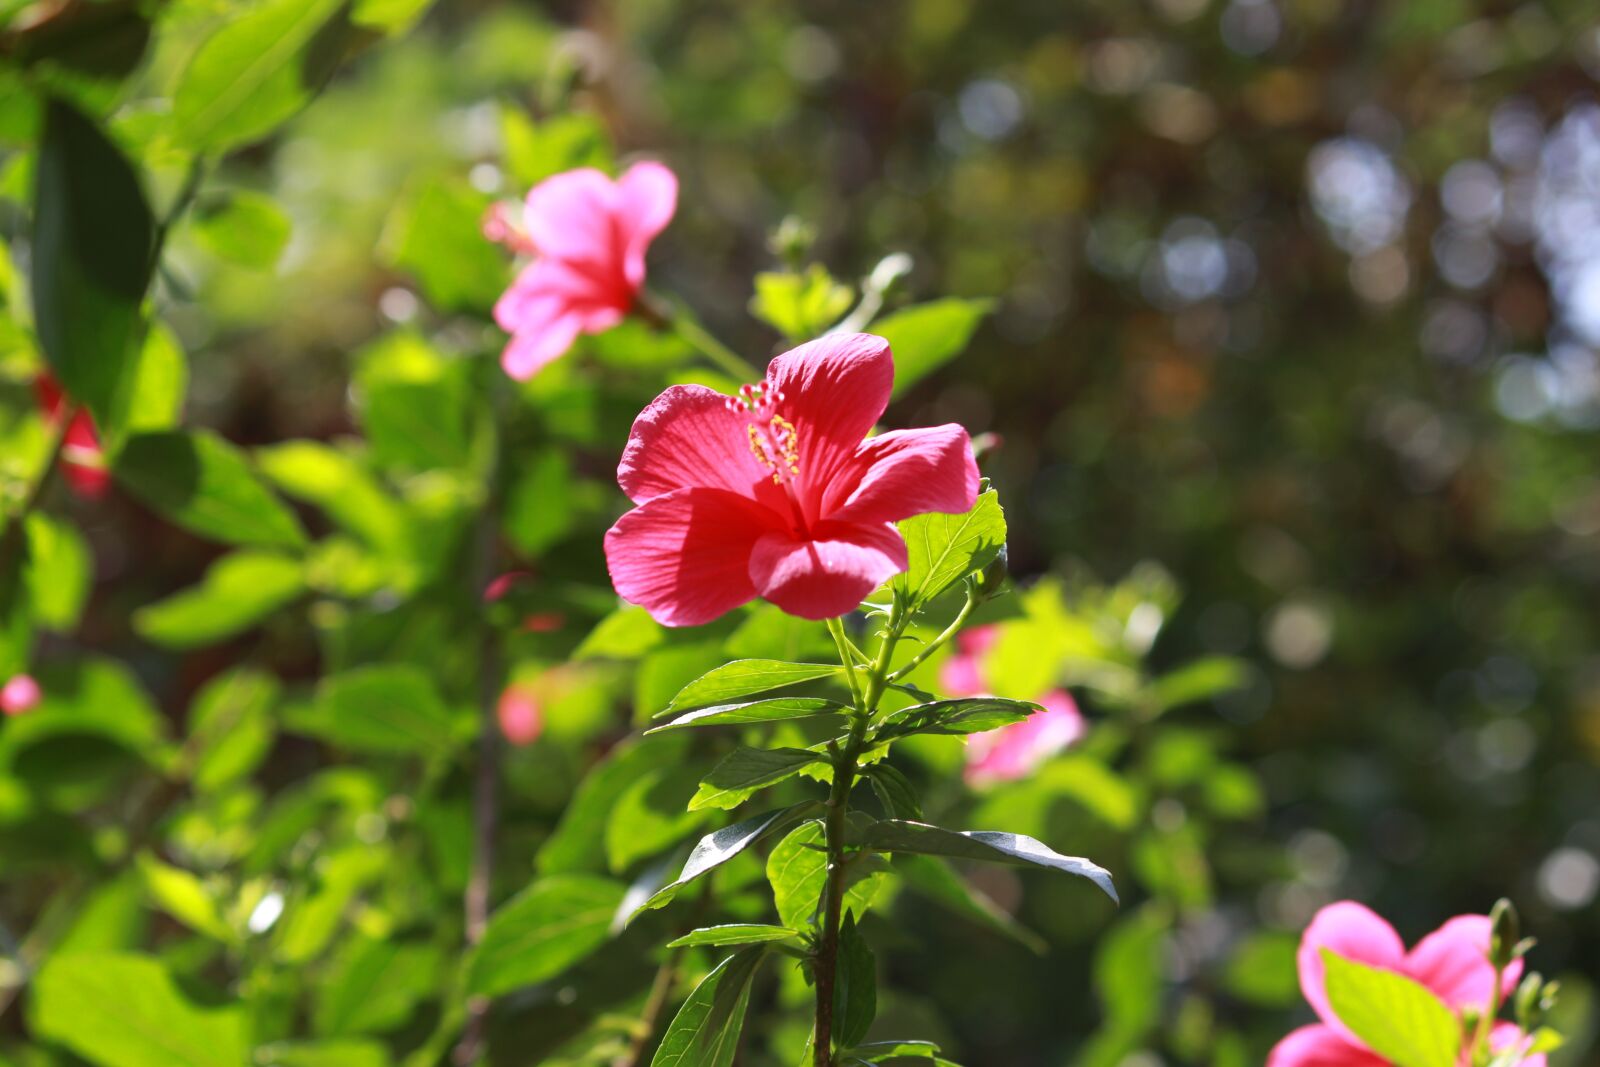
(773, 439)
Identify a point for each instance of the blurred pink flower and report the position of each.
(962, 674)
(20, 695)
(774, 493)
(1015, 751)
(588, 235)
(521, 720)
(82, 458)
(1452, 962)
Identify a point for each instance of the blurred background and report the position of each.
(1296, 322)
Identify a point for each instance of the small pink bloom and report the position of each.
(1015, 751)
(501, 584)
(775, 494)
(20, 695)
(962, 674)
(1452, 962)
(521, 720)
(588, 235)
(82, 458)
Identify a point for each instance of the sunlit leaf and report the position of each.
(967, 715)
(744, 677)
(719, 847)
(943, 549)
(925, 337)
(744, 771)
(777, 709)
(734, 934)
(705, 1032)
(991, 846)
(542, 931)
(238, 591)
(1394, 1016)
(204, 484)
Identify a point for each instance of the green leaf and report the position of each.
(649, 817)
(799, 306)
(249, 76)
(92, 239)
(238, 591)
(968, 715)
(231, 728)
(894, 791)
(722, 845)
(159, 382)
(58, 571)
(855, 990)
(934, 879)
(1394, 1016)
(388, 16)
(1201, 680)
(373, 984)
(734, 934)
(705, 1032)
(339, 485)
(434, 235)
(413, 405)
(323, 1054)
(204, 484)
(1263, 969)
(1129, 972)
(797, 868)
(990, 846)
(542, 931)
(183, 896)
(578, 840)
(879, 1051)
(746, 770)
(16, 613)
(943, 549)
(386, 708)
(925, 337)
(744, 677)
(312, 920)
(777, 709)
(124, 1010)
(567, 140)
(627, 633)
(245, 228)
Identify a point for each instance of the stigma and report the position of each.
(774, 442)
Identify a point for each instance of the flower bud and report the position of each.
(1505, 931)
(1526, 1000)
(20, 695)
(791, 242)
(992, 578)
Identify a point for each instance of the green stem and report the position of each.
(671, 316)
(845, 766)
(949, 632)
(1480, 1039)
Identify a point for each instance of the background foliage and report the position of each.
(1291, 359)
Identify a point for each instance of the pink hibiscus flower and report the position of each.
(774, 493)
(82, 458)
(962, 674)
(20, 695)
(588, 236)
(1452, 962)
(1015, 751)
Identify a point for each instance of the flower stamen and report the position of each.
(773, 439)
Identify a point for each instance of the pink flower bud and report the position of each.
(520, 718)
(20, 695)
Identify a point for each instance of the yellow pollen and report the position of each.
(776, 447)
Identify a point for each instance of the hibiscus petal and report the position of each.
(648, 197)
(572, 216)
(907, 472)
(834, 389)
(685, 557)
(1505, 1035)
(1453, 961)
(688, 437)
(536, 344)
(1353, 931)
(1319, 1046)
(831, 572)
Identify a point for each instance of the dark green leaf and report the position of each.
(775, 709)
(1394, 1016)
(124, 1010)
(927, 336)
(968, 715)
(542, 931)
(204, 484)
(719, 847)
(895, 792)
(743, 677)
(92, 239)
(734, 934)
(746, 770)
(238, 591)
(855, 990)
(943, 549)
(705, 1032)
(249, 76)
(990, 846)
(373, 983)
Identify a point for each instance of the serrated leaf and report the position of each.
(895, 792)
(1397, 1018)
(720, 846)
(247, 77)
(744, 677)
(92, 239)
(967, 715)
(124, 1010)
(202, 483)
(925, 337)
(385, 708)
(744, 771)
(776, 709)
(855, 990)
(989, 846)
(943, 549)
(238, 591)
(542, 931)
(734, 934)
(705, 1032)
